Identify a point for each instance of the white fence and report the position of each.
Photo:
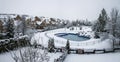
(73, 43)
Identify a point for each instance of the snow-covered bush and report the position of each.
(35, 44)
(10, 44)
(30, 55)
(96, 35)
(80, 27)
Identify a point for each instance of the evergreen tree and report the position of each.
(10, 28)
(51, 45)
(67, 46)
(101, 22)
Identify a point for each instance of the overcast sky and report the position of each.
(65, 9)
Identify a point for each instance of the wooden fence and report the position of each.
(62, 57)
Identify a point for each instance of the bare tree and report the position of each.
(31, 55)
(114, 17)
(112, 24)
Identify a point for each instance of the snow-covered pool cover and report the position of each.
(43, 37)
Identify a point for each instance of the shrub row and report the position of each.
(11, 44)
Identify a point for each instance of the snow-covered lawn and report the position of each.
(43, 37)
(108, 57)
(6, 57)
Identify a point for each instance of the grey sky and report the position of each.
(66, 9)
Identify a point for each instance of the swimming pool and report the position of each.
(72, 36)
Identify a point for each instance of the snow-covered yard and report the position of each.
(108, 57)
(7, 57)
(43, 37)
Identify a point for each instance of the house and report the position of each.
(18, 18)
(40, 22)
(1, 26)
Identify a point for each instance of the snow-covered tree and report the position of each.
(99, 26)
(51, 45)
(114, 19)
(24, 27)
(113, 24)
(67, 46)
(10, 28)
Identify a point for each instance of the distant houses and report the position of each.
(30, 22)
(40, 22)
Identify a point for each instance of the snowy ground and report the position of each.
(108, 57)
(43, 37)
(6, 57)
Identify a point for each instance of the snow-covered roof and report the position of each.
(17, 22)
(38, 22)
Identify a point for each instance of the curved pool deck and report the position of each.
(43, 37)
